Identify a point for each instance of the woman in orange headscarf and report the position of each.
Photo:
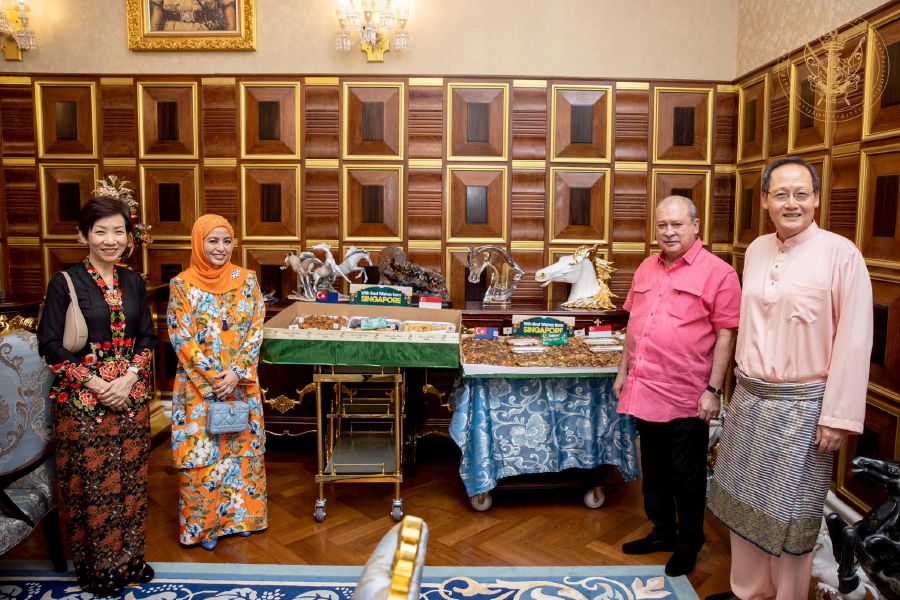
(215, 320)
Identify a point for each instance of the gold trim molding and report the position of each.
(537, 84)
(19, 162)
(426, 81)
(425, 163)
(321, 163)
(330, 81)
(632, 85)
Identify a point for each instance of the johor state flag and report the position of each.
(326, 296)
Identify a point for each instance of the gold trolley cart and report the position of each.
(360, 430)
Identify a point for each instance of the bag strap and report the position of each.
(72, 295)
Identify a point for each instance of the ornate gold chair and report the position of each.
(394, 570)
(27, 465)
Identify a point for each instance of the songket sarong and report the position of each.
(770, 480)
(224, 498)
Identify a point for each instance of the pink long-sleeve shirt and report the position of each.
(806, 315)
(675, 314)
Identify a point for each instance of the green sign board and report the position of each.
(383, 295)
(538, 326)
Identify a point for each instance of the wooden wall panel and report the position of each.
(27, 271)
(219, 120)
(425, 207)
(220, 193)
(17, 133)
(426, 122)
(118, 121)
(631, 141)
(529, 123)
(779, 113)
(321, 121)
(321, 206)
(22, 200)
(842, 205)
(528, 205)
(725, 140)
(626, 263)
(630, 206)
(721, 218)
(529, 292)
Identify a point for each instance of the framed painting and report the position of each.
(191, 24)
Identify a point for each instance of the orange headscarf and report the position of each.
(202, 273)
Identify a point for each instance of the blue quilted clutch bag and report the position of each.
(227, 417)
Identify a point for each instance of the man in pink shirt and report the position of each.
(684, 306)
(802, 354)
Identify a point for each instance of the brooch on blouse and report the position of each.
(235, 274)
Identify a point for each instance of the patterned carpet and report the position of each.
(21, 580)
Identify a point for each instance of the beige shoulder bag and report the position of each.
(75, 334)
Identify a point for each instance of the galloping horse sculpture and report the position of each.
(303, 265)
(352, 257)
(588, 273)
(505, 273)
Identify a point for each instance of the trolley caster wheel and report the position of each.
(482, 502)
(594, 497)
(397, 510)
(319, 512)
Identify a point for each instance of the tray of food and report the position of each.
(511, 357)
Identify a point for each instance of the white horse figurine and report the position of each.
(588, 274)
(352, 257)
(303, 265)
(329, 271)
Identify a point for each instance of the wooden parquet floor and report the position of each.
(537, 527)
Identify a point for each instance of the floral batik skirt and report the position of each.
(102, 469)
(224, 498)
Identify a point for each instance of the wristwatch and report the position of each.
(713, 390)
(134, 370)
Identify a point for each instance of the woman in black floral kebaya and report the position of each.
(101, 394)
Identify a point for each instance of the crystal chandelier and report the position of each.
(377, 25)
(14, 33)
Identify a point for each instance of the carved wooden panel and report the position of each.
(61, 256)
(878, 440)
(167, 119)
(847, 125)
(65, 188)
(529, 123)
(477, 121)
(721, 213)
(424, 257)
(171, 199)
(579, 201)
(321, 204)
(66, 119)
(529, 292)
(752, 131)
(267, 261)
(808, 115)
(683, 126)
(374, 119)
(322, 119)
(457, 277)
(270, 209)
(779, 111)
(820, 163)
(843, 203)
(424, 204)
(883, 93)
(219, 120)
(693, 184)
(220, 193)
(747, 205)
(878, 236)
(626, 263)
(118, 119)
(725, 150)
(21, 199)
(373, 203)
(885, 367)
(165, 262)
(581, 123)
(269, 120)
(27, 271)
(17, 133)
(632, 125)
(528, 205)
(426, 122)
(470, 186)
(630, 207)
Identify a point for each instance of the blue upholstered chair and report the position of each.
(394, 570)
(27, 462)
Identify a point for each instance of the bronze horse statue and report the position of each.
(874, 541)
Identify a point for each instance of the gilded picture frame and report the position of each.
(166, 25)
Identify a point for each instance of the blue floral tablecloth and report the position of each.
(508, 427)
